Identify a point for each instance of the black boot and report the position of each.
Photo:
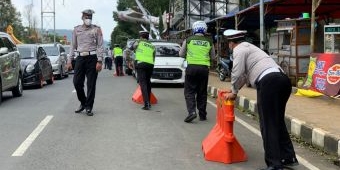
(147, 106)
(190, 117)
(80, 109)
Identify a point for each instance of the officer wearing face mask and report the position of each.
(87, 44)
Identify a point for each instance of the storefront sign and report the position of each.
(326, 76)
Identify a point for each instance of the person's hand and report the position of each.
(230, 96)
(69, 66)
(99, 66)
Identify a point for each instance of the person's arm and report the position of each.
(238, 74)
(100, 49)
(183, 50)
(73, 47)
(212, 53)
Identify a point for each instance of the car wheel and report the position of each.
(221, 74)
(51, 80)
(17, 91)
(41, 82)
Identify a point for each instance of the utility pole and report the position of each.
(262, 27)
(315, 5)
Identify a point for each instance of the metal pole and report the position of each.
(54, 39)
(42, 23)
(315, 5)
(262, 33)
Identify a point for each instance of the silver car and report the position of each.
(58, 57)
(10, 71)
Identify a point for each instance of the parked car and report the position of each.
(169, 67)
(10, 72)
(36, 66)
(56, 53)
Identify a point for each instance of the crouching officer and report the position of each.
(145, 56)
(87, 40)
(118, 56)
(198, 50)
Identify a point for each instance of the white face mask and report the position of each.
(87, 22)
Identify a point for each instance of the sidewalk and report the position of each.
(314, 120)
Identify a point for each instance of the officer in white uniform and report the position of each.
(87, 42)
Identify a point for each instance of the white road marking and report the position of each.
(302, 161)
(74, 90)
(30, 139)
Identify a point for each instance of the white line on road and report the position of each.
(302, 161)
(30, 139)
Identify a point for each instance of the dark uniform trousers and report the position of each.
(119, 65)
(144, 73)
(85, 66)
(273, 92)
(195, 88)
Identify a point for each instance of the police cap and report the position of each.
(234, 34)
(143, 32)
(88, 12)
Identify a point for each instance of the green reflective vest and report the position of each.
(117, 51)
(145, 51)
(198, 50)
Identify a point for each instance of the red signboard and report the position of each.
(326, 76)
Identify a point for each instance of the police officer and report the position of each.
(118, 56)
(145, 56)
(251, 64)
(198, 50)
(87, 40)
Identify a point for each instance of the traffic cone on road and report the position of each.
(138, 97)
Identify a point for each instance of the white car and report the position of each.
(169, 67)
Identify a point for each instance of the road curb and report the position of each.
(309, 133)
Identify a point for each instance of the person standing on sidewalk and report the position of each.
(87, 39)
(145, 54)
(198, 51)
(273, 91)
(118, 58)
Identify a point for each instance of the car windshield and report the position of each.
(51, 50)
(27, 52)
(167, 50)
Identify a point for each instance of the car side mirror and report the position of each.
(3, 50)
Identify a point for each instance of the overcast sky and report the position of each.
(68, 13)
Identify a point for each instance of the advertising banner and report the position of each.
(326, 76)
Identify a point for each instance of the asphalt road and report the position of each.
(40, 131)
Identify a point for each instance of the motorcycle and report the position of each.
(224, 68)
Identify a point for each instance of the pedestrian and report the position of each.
(253, 65)
(110, 58)
(118, 55)
(88, 40)
(199, 51)
(145, 57)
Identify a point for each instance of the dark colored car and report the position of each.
(10, 72)
(36, 65)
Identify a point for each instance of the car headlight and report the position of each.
(29, 68)
(184, 64)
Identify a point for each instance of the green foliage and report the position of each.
(10, 16)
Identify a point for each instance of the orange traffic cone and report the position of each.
(221, 145)
(138, 97)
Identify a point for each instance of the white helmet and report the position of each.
(199, 27)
